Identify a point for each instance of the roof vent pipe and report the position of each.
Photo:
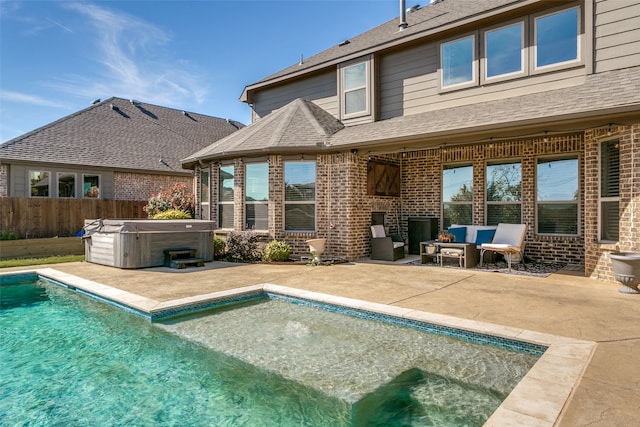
(403, 15)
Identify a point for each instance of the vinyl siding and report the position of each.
(321, 89)
(617, 35)
(409, 84)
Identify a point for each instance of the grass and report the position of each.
(23, 262)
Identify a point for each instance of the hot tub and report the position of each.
(140, 243)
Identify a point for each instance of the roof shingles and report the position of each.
(128, 136)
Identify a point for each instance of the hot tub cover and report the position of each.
(146, 226)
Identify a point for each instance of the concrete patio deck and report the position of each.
(608, 393)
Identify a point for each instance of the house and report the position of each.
(116, 149)
(470, 112)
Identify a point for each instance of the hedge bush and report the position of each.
(277, 251)
(172, 214)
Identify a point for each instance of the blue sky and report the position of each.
(58, 56)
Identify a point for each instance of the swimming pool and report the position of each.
(175, 379)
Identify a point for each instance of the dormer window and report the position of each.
(355, 87)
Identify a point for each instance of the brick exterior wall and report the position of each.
(597, 263)
(343, 207)
(4, 181)
(138, 186)
(421, 187)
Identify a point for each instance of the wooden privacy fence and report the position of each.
(31, 217)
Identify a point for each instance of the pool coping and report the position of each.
(537, 400)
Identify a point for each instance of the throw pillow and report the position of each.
(458, 234)
(484, 236)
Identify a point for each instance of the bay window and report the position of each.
(225, 196)
(300, 196)
(205, 211)
(257, 196)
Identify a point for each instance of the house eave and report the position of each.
(408, 38)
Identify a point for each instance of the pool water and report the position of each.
(70, 360)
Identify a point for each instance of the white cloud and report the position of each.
(23, 98)
(136, 62)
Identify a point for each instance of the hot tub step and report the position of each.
(184, 262)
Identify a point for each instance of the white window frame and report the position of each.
(75, 181)
(524, 63)
(84, 175)
(474, 63)
(602, 200)
(368, 63)
(533, 51)
(49, 175)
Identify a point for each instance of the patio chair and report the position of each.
(385, 247)
(508, 241)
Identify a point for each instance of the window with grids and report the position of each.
(609, 191)
(225, 196)
(504, 193)
(557, 196)
(205, 212)
(256, 200)
(457, 195)
(300, 196)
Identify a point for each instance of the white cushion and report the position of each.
(452, 251)
(377, 231)
(398, 245)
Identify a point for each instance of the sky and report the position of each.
(56, 57)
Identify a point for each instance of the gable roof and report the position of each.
(423, 22)
(120, 134)
(298, 126)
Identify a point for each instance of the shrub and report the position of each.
(175, 197)
(172, 214)
(242, 246)
(276, 251)
(219, 247)
(9, 235)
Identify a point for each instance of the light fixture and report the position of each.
(609, 130)
(545, 139)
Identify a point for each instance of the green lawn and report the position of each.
(37, 261)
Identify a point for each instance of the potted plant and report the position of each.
(626, 269)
